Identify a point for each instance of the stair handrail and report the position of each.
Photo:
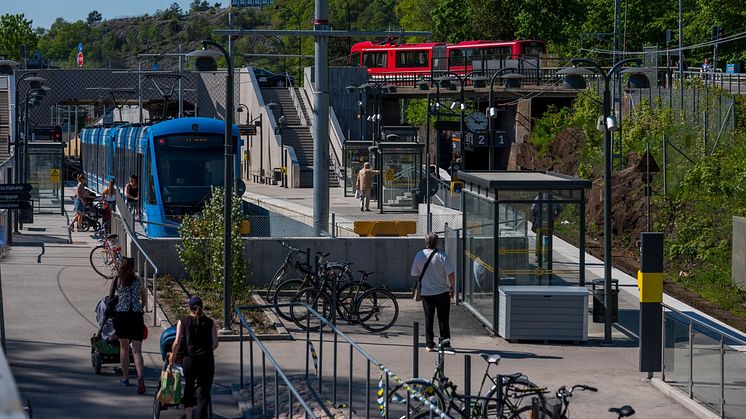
(298, 107)
(336, 134)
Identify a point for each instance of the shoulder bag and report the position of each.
(418, 286)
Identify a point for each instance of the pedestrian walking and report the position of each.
(132, 195)
(128, 319)
(200, 339)
(436, 281)
(364, 184)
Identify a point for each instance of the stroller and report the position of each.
(104, 343)
(167, 340)
(92, 215)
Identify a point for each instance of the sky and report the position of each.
(45, 12)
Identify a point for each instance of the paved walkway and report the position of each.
(49, 314)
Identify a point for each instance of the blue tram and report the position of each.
(176, 162)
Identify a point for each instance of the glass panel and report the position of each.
(44, 173)
(706, 367)
(400, 177)
(529, 195)
(676, 351)
(735, 383)
(479, 254)
(354, 162)
(188, 165)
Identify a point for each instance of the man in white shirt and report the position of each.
(438, 283)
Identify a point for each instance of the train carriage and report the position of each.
(177, 163)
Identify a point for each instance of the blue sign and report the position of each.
(156, 66)
(731, 68)
(250, 3)
(80, 47)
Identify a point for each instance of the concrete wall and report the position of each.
(389, 257)
(739, 252)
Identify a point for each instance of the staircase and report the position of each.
(294, 133)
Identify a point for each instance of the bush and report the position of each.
(201, 248)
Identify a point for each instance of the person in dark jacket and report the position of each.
(200, 337)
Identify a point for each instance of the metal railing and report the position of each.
(318, 365)
(705, 362)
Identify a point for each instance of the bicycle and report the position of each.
(541, 409)
(105, 257)
(375, 309)
(290, 261)
(507, 393)
(285, 292)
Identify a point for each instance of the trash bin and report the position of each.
(599, 312)
(277, 173)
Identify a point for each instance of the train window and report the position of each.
(533, 49)
(496, 53)
(374, 59)
(151, 181)
(355, 59)
(412, 59)
(459, 57)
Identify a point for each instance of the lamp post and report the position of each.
(300, 39)
(608, 125)
(492, 114)
(228, 174)
(361, 109)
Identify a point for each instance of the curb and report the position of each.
(276, 323)
(247, 412)
(683, 399)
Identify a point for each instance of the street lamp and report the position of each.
(361, 109)
(510, 82)
(205, 55)
(574, 77)
(300, 38)
(446, 81)
(377, 89)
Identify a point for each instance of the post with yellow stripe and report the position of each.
(650, 283)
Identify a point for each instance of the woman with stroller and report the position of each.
(109, 199)
(79, 202)
(128, 319)
(200, 339)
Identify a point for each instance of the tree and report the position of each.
(15, 30)
(198, 6)
(94, 18)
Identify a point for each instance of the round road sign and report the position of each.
(80, 59)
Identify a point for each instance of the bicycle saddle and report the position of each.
(322, 254)
(491, 358)
(364, 273)
(623, 411)
(111, 236)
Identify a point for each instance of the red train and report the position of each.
(390, 58)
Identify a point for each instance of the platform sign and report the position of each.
(247, 129)
(15, 196)
(15, 187)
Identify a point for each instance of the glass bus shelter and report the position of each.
(355, 154)
(400, 164)
(44, 171)
(511, 221)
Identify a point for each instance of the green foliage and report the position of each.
(94, 18)
(201, 247)
(15, 30)
(199, 6)
(548, 126)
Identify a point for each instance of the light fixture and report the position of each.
(512, 80)
(7, 67)
(637, 77)
(205, 59)
(492, 112)
(351, 88)
(574, 77)
(480, 82)
(423, 85)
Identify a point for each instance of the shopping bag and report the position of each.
(170, 388)
(358, 195)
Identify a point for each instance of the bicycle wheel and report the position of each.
(315, 300)
(376, 310)
(276, 280)
(519, 395)
(102, 262)
(347, 294)
(397, 399)
(284, 294)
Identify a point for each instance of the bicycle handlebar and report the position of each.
(291, 248)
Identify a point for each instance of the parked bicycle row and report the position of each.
(332, 289)
(501, 396)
